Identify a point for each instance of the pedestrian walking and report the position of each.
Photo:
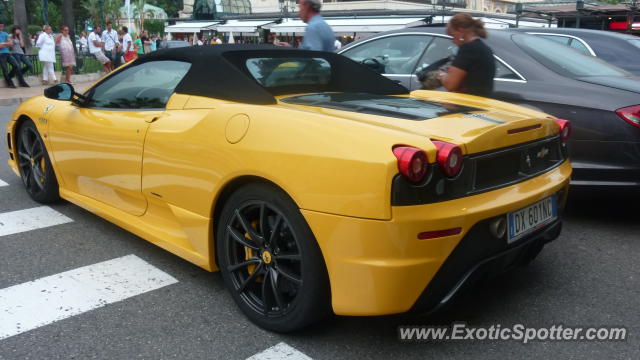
(127, 45)
(17, 51)
(474, 67)
(47, 54)
(67, 54)
(318, 35)
(95, 48)
(111, 45)
(154, 42)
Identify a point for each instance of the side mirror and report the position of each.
(60, 92)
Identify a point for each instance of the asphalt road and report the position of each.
(590, 276)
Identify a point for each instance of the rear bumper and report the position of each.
(470, 262)
(379, 267)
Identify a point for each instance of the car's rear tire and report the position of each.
(270, 260)
(35, 166)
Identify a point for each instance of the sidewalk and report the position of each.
(80, 83)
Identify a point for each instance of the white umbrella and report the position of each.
(231, 40)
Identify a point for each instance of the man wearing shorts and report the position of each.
(95, 48)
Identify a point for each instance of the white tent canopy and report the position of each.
(191, 27)
(350, 26)
(242, 26)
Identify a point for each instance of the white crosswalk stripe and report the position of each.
(2, 183)
(281, 351)
(30, 219)
(53, 298)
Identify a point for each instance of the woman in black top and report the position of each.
(474, 67)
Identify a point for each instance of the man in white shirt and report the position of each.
(127, 44)
(95, 49)
(111, 45)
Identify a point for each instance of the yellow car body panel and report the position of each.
(107, 170)
(160, 174)
(474, 133)
(381, 267)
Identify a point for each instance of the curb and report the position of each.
(36, 80)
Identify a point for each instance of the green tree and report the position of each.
(171, 7)
(35, 11)
(93, 10)
(154, 26)
(6, 10)
(112, 10)
(139, 13)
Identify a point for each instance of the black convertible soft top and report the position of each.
(220, 71)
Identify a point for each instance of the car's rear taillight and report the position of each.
(565, 128)
(412, 162)
(630, 114)
(449, 157)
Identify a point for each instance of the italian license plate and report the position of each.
(532, 217)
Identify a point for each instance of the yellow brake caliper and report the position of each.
(250, 253)
(42, 165)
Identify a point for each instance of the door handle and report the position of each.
(153, 119)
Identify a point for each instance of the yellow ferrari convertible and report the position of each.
(313, 184)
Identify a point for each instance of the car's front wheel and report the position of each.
(270, 261)
(35, 166)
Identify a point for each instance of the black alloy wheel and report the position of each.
(34, 164)
(270, 261)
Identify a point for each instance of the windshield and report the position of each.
(563, 59)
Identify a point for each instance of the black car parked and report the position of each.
(601, 101)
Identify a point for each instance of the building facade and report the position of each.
(210, 9)
(487, 6)
(131, 19)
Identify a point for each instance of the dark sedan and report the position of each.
(601, 100)
(621, 50)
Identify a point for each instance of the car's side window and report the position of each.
(578, 45)
(438, 49)
(145, 86)
(503, 72)
(392, 54)
(561, 39)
